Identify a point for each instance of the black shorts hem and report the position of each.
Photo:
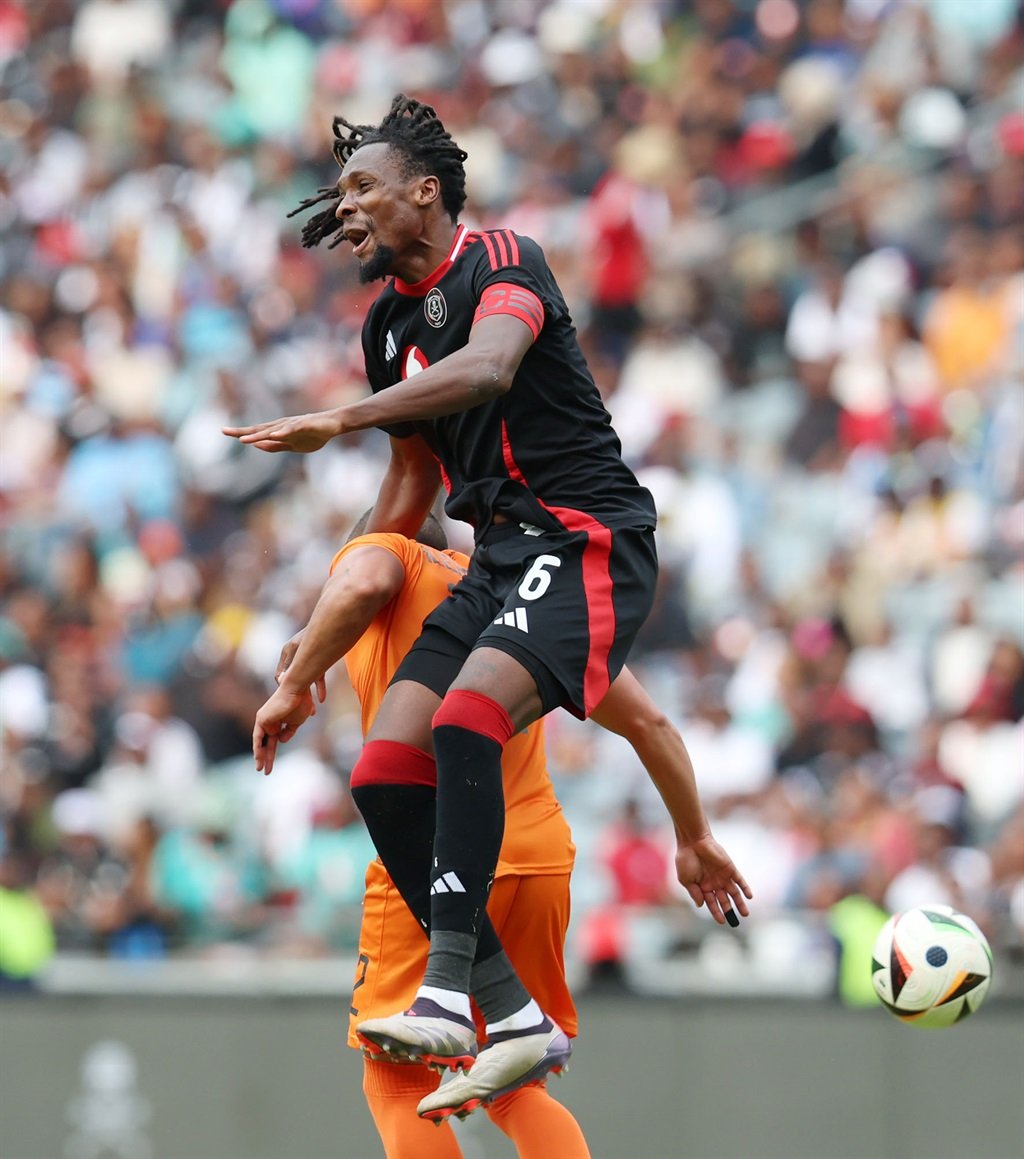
(434, 660)
(552, 694)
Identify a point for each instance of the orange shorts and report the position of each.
(530, 915)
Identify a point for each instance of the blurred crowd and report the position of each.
(791, 238)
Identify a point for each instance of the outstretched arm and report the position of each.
(364, 581)
(481, 370)
(702, 865)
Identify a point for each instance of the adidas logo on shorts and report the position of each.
(514, 619)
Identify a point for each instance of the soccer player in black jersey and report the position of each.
(478, 378)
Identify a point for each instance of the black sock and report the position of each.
(401, 820)
(470, 825)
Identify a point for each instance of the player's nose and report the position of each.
(345, 208)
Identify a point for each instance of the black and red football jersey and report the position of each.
(543, 453)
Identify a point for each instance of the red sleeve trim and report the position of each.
(508, 298)
(502, 247)
(504, 257)
(492, 255)
(513, 246)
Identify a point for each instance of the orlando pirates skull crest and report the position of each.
(436, 309)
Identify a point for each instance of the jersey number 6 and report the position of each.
(537, 580)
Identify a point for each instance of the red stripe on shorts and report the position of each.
(598, 586)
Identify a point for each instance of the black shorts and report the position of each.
(567, 605)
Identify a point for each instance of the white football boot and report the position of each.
(510, 1060)
(426, 1032)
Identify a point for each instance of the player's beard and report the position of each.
(379, 266)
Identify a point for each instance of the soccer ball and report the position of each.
(931, 966)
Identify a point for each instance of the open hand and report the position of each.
(707, 872)
(301, 433)
(277, 722)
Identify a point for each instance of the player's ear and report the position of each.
(427, 191)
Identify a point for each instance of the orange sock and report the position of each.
(392, 1092)
(539, 1126)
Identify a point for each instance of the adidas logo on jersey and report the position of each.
(448, 883)
(390, 349)
(514, 619)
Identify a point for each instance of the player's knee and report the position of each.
(387, 762)
(475, 712)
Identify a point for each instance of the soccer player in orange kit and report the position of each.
(370, 611)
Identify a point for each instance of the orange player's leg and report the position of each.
(392, 1092)
(392, 950)
(531, 916)
(392, 953)
(539, 1126)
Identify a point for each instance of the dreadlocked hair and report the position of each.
(414, 130)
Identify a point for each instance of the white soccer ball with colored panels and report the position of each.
(931, 966)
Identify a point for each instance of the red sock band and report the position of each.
(477, 713)
(389, 762)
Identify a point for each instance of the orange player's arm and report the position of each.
(408, 488)
(702, 865)
(365, 579)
